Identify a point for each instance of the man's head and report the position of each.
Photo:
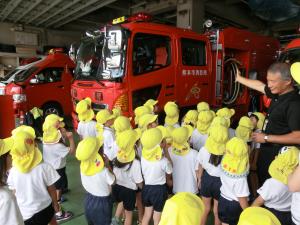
(279, 78)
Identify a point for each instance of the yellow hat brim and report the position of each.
(86, 116)
(6, 145)
(170, 121)
(258, 216)
(295, 71)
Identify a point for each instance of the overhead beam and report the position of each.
(157, 7)
(31, 7)
(88, 3)
(44, 11)
(235, 14)
(93, 8)
(66, 6)
(9, 8)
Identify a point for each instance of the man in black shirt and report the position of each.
(282, 124)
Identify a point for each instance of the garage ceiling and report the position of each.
(83, 14)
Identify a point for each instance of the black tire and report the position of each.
(52, 108)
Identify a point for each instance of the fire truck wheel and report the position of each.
(52, 108)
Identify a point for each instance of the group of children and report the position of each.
(142, 166)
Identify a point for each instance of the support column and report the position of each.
(190, 14)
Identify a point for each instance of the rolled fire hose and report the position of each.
(233, 65)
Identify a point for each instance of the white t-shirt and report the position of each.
(234, 188)
(31, 188)
(203, 159)
(276, 195)
(87, 129)
(198, 140)
(108, 141)
(55, 155)
(154, 172)
(98, 184)
(129, 177)
(184, 171)
(9, 211)
(295, 208)
(231, 132)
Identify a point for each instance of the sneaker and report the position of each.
(64, 215)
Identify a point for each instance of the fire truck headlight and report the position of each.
(18, 98)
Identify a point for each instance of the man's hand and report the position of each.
(258, 137)
(238, 75)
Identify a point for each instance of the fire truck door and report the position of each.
(152, 69)
(7, 118)
(193, 75)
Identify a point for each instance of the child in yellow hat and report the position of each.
(147, 121)
(155, 165)
(55, 152)
(140, 111)
(234, 189)
(32, 180)
(190, 118)
(258, 216)
(209, 159)
(87, 124)
(202, 106)
(9, 210)
(172, 114)
(105, 120)
(184, 159)
(274, 194)
(127, 169)
(182, 208)
(200, 134)
(153, 104)
(227, 114)
(96, 179)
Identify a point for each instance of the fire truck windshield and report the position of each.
(101, 57)
(290, 56)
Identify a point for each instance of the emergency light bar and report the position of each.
(142, 17)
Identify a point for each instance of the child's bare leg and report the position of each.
(217, 220)
(147, 215)
(156, 217)
(207, 204)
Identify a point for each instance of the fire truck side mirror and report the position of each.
(208, 24)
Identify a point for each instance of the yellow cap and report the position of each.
(261, 119)
(121, 124)
(145, 120)
(117, 111)
(24, 128)
(284, 164)
(104, 115)
(126, 141)
(183, 208)
(172, 113)
(295, 71)
(191, 117)
(202, 106)
(141, 110)
(244, 129)
(226, 113)
(236, 159)
(36, 112)
(53, 121)
(87, 153)
(180, 137)
(204, 120)
(216, 141)
(84, 110)
(51, 136)
(151, 140)
(258, 216)
(219, 121)
(151, 103)
(25, 153)
(6, 145)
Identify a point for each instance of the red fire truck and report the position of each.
(132, 60)
(45, 84)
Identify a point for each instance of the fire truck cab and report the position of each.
(45, 84)
(125, 64)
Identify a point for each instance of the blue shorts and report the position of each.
(42, 217)
(285, 218)
(98, 210)
(155, 195)
(125, 195)
(210, 186)
(229, 211)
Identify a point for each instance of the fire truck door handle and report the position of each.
(169, 86)
(205, 84)
(60, 86)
